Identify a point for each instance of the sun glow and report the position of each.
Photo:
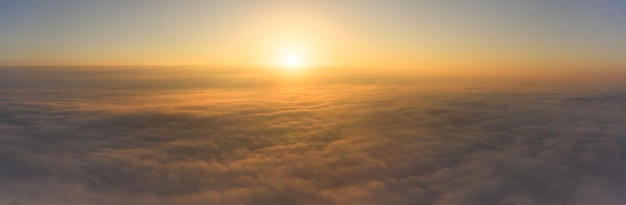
(292, 60)
(294, 55)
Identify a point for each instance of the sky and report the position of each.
(535, 34)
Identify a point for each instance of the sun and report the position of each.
(292, 60)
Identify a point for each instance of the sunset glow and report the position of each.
(292, 60)
(407, 35)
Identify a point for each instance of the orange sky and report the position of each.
(368, 34)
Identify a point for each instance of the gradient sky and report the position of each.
(402, 34)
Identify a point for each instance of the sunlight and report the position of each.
(292, 60)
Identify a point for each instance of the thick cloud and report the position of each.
(324, 144)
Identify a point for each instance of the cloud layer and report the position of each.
(330, 144)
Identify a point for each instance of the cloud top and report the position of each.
(332, 144)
